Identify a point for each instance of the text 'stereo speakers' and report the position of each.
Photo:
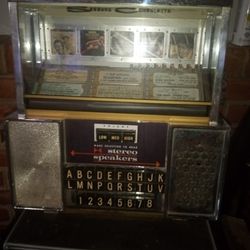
(118, 107)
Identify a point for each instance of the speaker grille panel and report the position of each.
(35, 157)
(196, 162)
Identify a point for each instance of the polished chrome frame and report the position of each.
(17, 60)
(211, 59)
(220, 52)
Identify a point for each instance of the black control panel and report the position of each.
(116, 188)
(118, 166)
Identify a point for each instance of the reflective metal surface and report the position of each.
(35, 157)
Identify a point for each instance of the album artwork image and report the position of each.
(92, 42)
(151, 44)
(181, 45)
(63, 42)
(122, 43)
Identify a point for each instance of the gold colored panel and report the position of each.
(61, 115)
(118, 100)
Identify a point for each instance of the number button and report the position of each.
(109, 202)
(120, 203)
(90, 201)
(130, 203)
(149, 204)
(100, 201)
(139, 203)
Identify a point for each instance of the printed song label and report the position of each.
(62, 89)
(120, 77)
(120, 91)
(185, 94)
(175, 80)
(69, 76)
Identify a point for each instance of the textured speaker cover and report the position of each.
(196, 163)
(35, 158)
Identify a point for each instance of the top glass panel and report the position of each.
(138, 52)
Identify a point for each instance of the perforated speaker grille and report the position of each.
(35, 158)
(196, 163)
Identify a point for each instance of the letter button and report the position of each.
(160, 188)
(79, 173)
(140, 187)
(150, 176)
(130, 187)
(89, 173)
(150, 188)
(109, 174)
(70, 184)
(140, 176)
(120, 186)
(100, 186)
(120, 175)
(129, 175)
(160, 177)
(69, 173)
(100, 174)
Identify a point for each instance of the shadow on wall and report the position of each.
(237, 186)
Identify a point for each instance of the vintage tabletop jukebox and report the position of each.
(118, 114)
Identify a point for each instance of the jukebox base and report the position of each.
(37, 230)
